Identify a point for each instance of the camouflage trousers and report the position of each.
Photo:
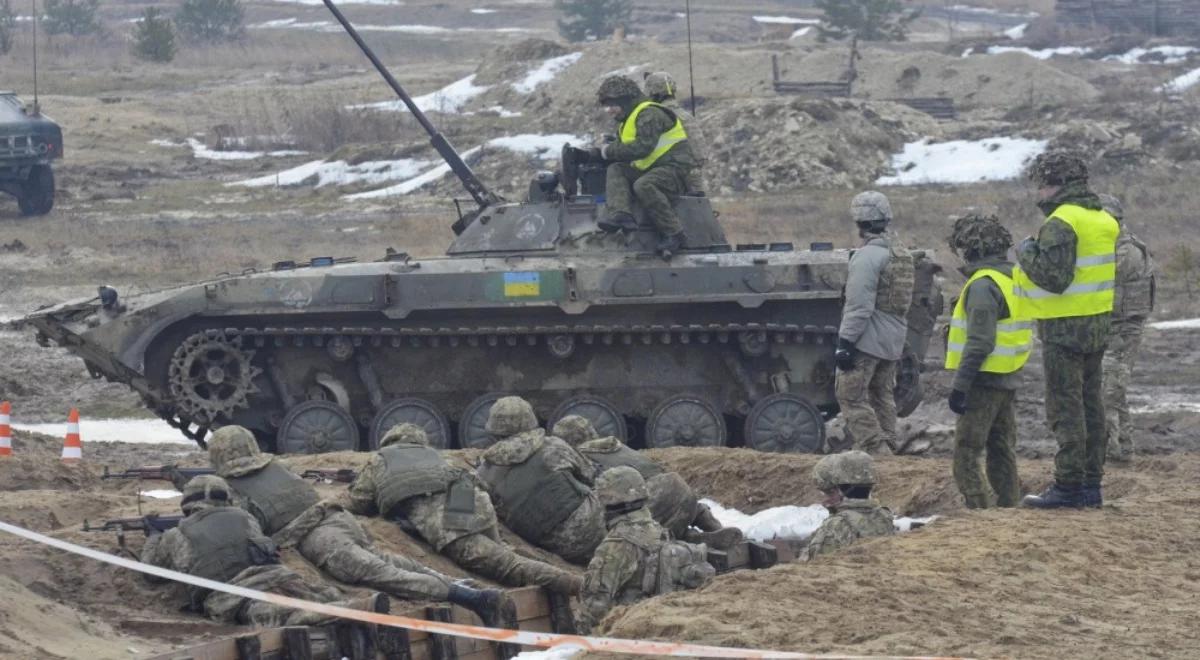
(339, 546)
(1123, 346)
(278, 579)
(1075, 412)
(866, 395)
(577, 537)
(486, 556)
(987, 430)
(656, 189)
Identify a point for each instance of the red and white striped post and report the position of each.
(72, 444)
(5, 429)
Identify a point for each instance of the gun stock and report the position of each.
(156, 473)
(339, 475)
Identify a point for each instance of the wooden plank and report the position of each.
(442, 647)
(297, 645)
(270, 641)
(531, 602)
(248, 647)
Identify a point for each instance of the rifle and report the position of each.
(331, 475)
(157, 473)
(148, 525)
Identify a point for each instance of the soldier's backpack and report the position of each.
(676, 566)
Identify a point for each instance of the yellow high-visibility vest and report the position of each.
(1091, 291)
(1014, 335)
(665, 141)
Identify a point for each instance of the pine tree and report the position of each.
(871, 20)
(585, 20)
(73, 17)
(154, 37)
(210, 20)
(7, 20)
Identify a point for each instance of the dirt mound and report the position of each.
(510, 62)
(35, 464)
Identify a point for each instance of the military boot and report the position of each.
(721, 539)
(566, 583)
(375, 602)
(1093, 496)
(1057, 496)
(492, 606)
(619, 221)
(669, 246)
(715, 534)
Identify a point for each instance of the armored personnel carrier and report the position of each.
(721, 344)
(29, 141)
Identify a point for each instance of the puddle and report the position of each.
(138, 431)
(161, 494)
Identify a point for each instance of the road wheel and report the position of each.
(413, 411)
(604, 416)
(785, 423)
(37, 193)
(316, 427)
(685, 420)
(472, 431)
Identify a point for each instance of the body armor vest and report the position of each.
(621, 456)
(534, 500)
(221, 547)
(895, 290)
(277, 494)
(1135, 287)
(412, 470)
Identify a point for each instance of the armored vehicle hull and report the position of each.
(29, 142)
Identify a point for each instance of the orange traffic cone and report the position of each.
(5, 430)
(72, 446)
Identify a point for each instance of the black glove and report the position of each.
(844, 354)
(958, 402)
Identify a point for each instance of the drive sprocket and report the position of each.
(211, 376)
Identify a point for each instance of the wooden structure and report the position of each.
(1164, 18)
(938, 107)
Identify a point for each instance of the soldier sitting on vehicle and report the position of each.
(847, 480)
(409, 481)
(672, 502)
(221, 542)
(540, 485)
(661, 88)
(637, 559)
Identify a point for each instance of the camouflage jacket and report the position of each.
(850, 521)
(1049, 260)
(558, 455)
(651, 123)
(691, 125)
(876, 329)
(614, 575)
(1135, 292)
(985, 306)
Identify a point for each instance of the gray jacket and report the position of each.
(879, 330)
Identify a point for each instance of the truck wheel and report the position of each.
(37, 193)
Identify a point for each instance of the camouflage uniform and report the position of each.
(661, 88)
(224, 543)
(874, 327)
(452, 514)
(851, 518)
(989, 421)
(1072, 347)
(617, 574)
(657, 187)
(540, 485)
(1135, 291)
(326, 535)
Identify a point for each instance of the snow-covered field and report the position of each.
(962, 161)
(140, 431)
(340, 173)
(1041, 54)
(1184, 82)
(1155, 55)
(200, 150)
(545, 72)
(330, 26)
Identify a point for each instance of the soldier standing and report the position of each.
(672, 502)
(649, 160)
(637, 559)
(540, 486)
(221, 542)
(1132, 304)
(289, 509)
(410, 481)
(1065, 280)
(879, 291)
(847, 480)
(989, 342)
(661, 88)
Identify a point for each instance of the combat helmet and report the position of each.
(509, 416)
(977, 235)
(234, 452)
(575, 430)
(1058, 168)
(852, 468)
(660, 85)
(621, 486)
(871, 211)
(406, 433)
(1112, 206)
(203, 491)
(615, 89)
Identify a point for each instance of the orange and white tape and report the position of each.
(522, 637)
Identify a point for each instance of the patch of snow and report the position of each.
(483, 10)
(449, 99)
(161, 494)
(1184, 82)
(800, 33)
(329, 26)
(534, 144)
(680, 14)
(995, 12)
(788, 522)
(340, 173)
(907, 524)
(786, 20)
(1166, 55)
(1180, 324)
(627, 71)
(200, 150)
(320, 26)
(1016, 33)
(139, 431)
(405, 187)
(392, 3)
(563, 652)
(1043, 54)
(545, 72)
(502, 111)
(962, 161)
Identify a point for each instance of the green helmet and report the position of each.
(976, 235)
(510, 415)
(409, 434)
(203, 491)
(233, 452)
(575, 430)
(852, 468)
(1058, 168)
(621, 485)
(617, 88)
(660, 85)
(871, 211)
(1113, 206)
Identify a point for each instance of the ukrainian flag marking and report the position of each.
(522, 285)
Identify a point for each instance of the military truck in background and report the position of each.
(29, 143)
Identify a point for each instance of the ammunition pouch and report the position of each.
(460, 506)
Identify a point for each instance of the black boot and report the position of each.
(619, 221)
(1057, 496)
(492, 606)
(671, 245)
(1093, 497)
